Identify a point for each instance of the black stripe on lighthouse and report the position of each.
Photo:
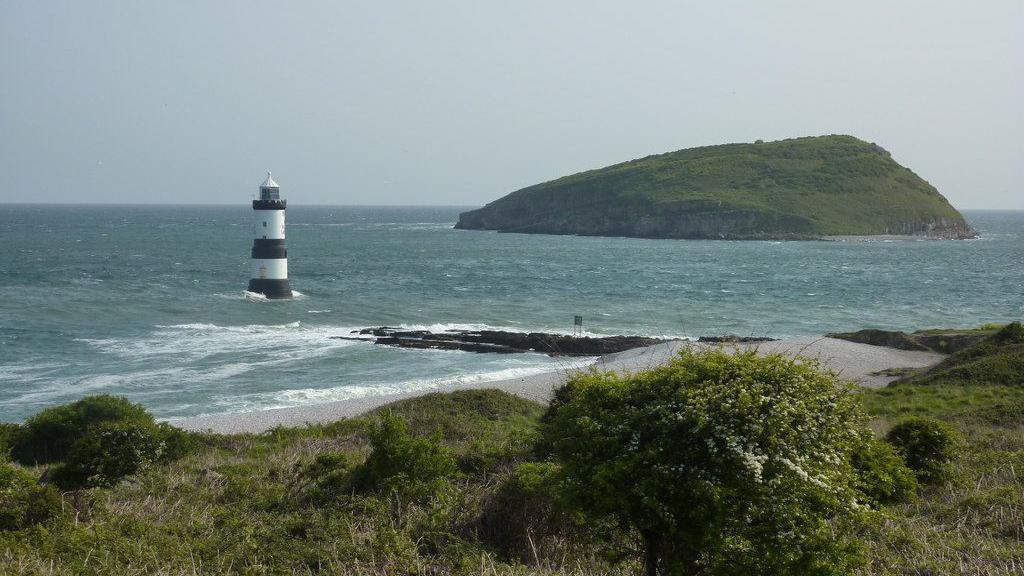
(269, 248)
(271, 288)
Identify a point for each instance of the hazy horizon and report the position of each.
(457, 104)
(323, 205)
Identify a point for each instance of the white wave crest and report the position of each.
(473, 327)
(257, 297)
(144, 384)
(307, 396)
(198, 341)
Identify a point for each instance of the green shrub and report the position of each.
(464, 414)
(488, 454)
(48, 436)
(489, 429)
(23, 501)
(109, 452)
(928, 446)
(414, 467)
(327, 477)
(883, 477)
(524, 511)
(720, 462)
(177, 443)
(7, 433)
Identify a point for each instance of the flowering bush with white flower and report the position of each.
(721, 462)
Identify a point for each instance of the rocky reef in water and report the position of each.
(502, 342)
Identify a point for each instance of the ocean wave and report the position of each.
(309, 396)
(476, 327)
(198, 341)
(471, 327)
(245, 328)
(171, 360)
(144, 383)
(456, 327)
(28, 372)
(257, 297)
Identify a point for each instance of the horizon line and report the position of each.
(217, 205)
(221, 205)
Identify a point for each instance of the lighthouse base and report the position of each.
(275, 289)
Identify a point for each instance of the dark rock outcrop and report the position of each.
(502, 342)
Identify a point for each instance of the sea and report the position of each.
(149, 302)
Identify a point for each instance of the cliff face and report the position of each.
(791, 189)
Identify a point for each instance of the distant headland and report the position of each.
(801, 188)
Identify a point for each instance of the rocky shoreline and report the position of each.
(502, 342)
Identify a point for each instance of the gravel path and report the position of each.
(852, 361)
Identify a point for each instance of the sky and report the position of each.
(459, 103)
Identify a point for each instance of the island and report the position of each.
(795, 189)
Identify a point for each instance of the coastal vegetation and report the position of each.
(790, 189)
(719, 463)
(481, 482)
(942, 340)
(970, 522)
(928, 446)
(96, 441)
(998, 358)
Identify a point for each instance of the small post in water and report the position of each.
(577, 325)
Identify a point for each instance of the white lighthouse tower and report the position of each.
(269, 257)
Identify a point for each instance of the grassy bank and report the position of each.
(270, 503)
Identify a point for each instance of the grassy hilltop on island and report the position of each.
(790, 189)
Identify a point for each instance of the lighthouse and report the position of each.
(269, 257)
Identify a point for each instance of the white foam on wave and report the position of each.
(144, 383)
(472, 327)
(172, 359)
(455, 327)
(197, 341)
(28, 372)
(308, 396)
(257, 297)
(176, 357)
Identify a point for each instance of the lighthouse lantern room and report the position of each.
(269, 257)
